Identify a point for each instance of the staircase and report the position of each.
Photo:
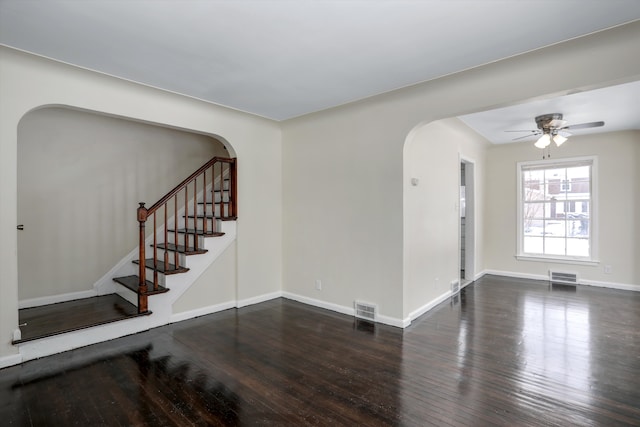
(180, 236)
(181, 220)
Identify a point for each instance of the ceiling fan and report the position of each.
(552, 126)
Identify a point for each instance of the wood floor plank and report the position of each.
(505, 352)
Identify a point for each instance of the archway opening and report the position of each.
(81, 176)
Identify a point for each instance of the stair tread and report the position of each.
(132, 282)
(170, 268)
(69, 316)
(181, 249)
(199, 232)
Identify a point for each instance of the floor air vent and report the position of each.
(563, 277)
(365, 310)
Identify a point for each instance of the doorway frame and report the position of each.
(470, 221)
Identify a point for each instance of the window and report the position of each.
(556, 209)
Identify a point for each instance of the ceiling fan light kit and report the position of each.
(559, 139)
(543, 141)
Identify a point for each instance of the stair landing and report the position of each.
(54, 319)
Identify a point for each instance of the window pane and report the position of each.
(533, 245)
(554, 179)
(532, 211)
(533, 189)
(554, 209)
(578, 247)
(555, 228)
(554, 246)
(579, 177)
(578, 226)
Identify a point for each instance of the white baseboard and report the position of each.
(479, 275)
(13, 359)
(186, 315)
(428, 306)
(544, 278)
(611, 285)
(52, 299)
(319, 303)
(258, 299)
(349, 311)
(518, 275)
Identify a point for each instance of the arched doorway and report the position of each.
(81, 175)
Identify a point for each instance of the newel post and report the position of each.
(142, 272)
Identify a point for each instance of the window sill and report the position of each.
(556, 260)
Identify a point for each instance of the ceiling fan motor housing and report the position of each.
(549, 121)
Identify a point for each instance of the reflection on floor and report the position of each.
(502, 352)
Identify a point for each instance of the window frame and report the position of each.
(592, 259)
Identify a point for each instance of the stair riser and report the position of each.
(216, 210)
(170, 254)
(224, 196)
(182, 238)
(212, 225)
(162, 279)
(201, 210)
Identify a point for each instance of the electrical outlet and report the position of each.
(608, 269)
(318, 284)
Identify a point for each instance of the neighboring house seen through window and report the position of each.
(556, 209)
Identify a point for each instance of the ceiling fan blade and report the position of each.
(527, 130)
(527, 136)
(585, 125)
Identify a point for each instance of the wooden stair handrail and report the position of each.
(144, 213)
(187, 180)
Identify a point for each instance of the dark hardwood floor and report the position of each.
(504, 352)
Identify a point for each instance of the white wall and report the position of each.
(80, 178)
(617, 220)
(343, 168)
(216, 286)
(340, 189)
(28, 82)
(432, 155)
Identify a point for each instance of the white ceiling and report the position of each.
(284, 58)
(618, 106)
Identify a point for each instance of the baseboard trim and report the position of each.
(11, 360)
(52, 299)
(319, 303)
(610, 285)
(517, 275)
(349, 311)
(258, 299)
(428, 306)
(203, 311)
(479, 275)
